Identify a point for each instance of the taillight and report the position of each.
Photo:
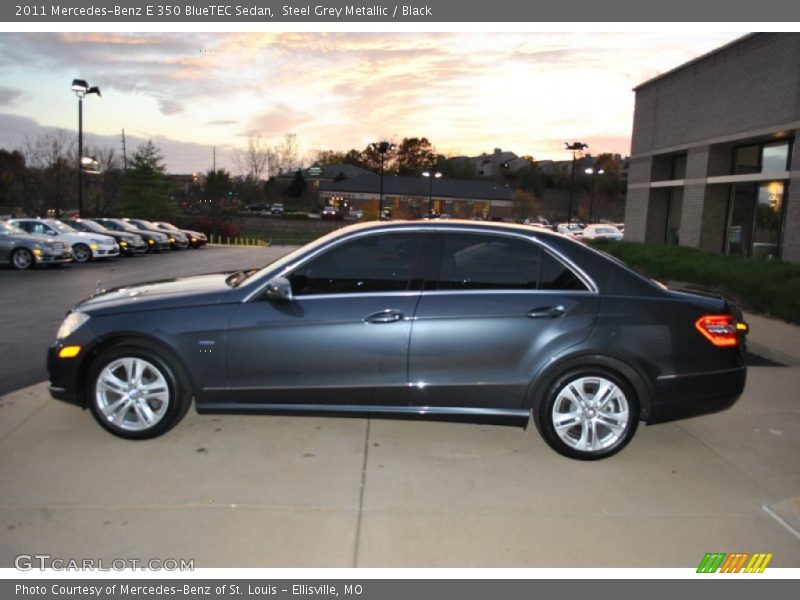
(720, 330)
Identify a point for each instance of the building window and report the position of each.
(761, 158)
(674, 211)
(678, 167)
(755, 220)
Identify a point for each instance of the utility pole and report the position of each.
(214, 160)
(124, 153)
(575, 147)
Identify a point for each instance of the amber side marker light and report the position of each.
(69, 352)
(720, 330)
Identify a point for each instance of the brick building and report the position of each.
(714, 163)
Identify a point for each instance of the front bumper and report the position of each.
(65, 380)
(53, 258)
(107, 251)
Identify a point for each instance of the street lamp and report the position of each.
(81, 89)
(382, 148)
(594, 173)
(431, 176)
(575, 147)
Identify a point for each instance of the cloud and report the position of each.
(9, 95)
(222, 122)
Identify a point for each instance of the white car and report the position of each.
(602, 232)
(85, 246)
(571, 229)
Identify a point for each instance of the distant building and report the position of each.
(319, 173)
(714, 160)
(411, 197)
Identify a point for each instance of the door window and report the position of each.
(493, 262)
(371, 264)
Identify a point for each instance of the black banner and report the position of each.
(432, 11)
(731, 588)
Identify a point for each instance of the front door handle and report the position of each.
(385, 316)
(546, 312)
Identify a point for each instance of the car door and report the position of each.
(342, 339)
(494, 310)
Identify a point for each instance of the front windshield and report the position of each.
(167, 226)
(62, 227)
(9, 229)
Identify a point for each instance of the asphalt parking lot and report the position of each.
(33, 303)
(286, 491)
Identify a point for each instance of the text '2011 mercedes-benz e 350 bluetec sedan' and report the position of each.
(451, 319)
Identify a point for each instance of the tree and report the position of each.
(103, 192)
(220, 207)
(257, 159)
(530, 179)
(286, 153)
(330, 157)
(145, 189)
(415, 155)
(12, 178)
(524, 204)
(52, 182)
(298, 186)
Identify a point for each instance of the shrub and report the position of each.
(769, 287)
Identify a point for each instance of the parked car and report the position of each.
(197, 239)
(329, 213)
(257, 207)
(574, 230)
(85, 246)
(177, 239)
(451, 318)
(156, 241)
(277, 209)
(23, 250)
(129, 243)
(602, 232)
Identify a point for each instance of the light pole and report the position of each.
(81, 89)
(382, 148)
(575, 147)
(430, 175)
(594, 174)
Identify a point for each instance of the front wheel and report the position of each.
(22, 259)
(135, 392)
(81, 253)
(588, 414)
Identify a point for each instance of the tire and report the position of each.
(162, 395)
(570, 422)
(81, 253)
(22, 259)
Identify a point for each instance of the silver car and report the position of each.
(85, 246)
(23, 250)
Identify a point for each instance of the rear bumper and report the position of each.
(683, 396)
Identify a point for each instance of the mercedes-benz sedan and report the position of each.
(451, 319)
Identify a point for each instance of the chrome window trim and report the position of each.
(531, 239)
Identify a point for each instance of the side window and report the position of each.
(556, 276)
(25, 226)
(376, 263)
(487, 262)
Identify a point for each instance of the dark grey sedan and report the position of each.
(448, 318)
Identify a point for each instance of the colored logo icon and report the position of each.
(739, 562)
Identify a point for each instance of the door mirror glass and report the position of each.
(279, 288)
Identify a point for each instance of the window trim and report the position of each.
(760, 146)
(591, 286)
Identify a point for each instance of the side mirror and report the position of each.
(279, 288)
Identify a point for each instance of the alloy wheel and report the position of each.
(132, 394)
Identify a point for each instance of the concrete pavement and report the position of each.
(290, 491)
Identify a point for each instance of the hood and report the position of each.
(171, 293)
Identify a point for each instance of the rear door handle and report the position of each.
(385, 316)
(545, 312)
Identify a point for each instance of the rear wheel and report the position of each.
(22, 259)
(137, 392)
(588, 414)
(81, 253)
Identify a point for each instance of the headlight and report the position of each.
(70, 324)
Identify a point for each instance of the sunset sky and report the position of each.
(467, 92)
